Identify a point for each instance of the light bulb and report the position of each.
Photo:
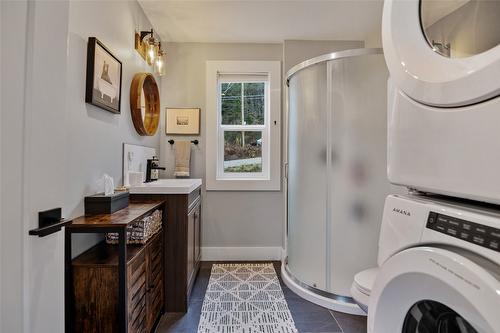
(151, 51)
(159, 65)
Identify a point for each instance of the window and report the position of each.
(243, 127)
(243, 132)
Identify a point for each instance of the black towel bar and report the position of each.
(192, 141)
(49, 221)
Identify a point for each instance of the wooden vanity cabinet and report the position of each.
(182, 225)
(95, 287)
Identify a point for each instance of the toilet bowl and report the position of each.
(362, 286)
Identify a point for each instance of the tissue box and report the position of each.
(105, 204)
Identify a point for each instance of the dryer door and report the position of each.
(443, 53)
(435, 290)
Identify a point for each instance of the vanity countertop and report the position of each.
(167, 186)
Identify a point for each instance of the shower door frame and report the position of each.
(313, 294)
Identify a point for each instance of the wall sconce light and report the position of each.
(148, 48)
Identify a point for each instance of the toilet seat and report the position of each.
(362, 287)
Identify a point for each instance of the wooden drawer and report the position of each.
(136, 279)
(154, 291)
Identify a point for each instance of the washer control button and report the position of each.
(495, 234)
(481, 230)
(432, 218)
(478, 240)
(452, 231)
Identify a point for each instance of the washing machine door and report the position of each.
(443, 53)
(435, 290)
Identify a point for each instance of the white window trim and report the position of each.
(264, 182)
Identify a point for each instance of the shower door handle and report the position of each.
(334, 157)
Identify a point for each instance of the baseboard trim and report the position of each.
(240, 253)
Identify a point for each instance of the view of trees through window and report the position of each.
(242, 103)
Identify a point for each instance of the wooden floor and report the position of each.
(308, 317)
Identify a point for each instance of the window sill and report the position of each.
(243, 185)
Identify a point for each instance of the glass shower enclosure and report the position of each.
(336, 173)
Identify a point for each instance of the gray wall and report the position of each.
(96, 136)
(54, 146)
(230, 219)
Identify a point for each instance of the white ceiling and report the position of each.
(267, 21)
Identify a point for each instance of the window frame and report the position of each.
(218, 72)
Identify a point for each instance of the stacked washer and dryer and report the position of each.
(439, 246)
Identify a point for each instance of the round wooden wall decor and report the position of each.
(145, 104)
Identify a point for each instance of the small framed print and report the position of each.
(104, 77)
(179, 121)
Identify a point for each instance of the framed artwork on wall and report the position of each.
(104, 77)
(180, 121)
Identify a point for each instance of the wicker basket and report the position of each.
(141, 231)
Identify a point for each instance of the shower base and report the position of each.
(320, 297)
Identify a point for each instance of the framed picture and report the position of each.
(104, 77)
(182, 121)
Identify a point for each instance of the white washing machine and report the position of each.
(439, 269)
(444, 105)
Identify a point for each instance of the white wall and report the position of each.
(54, 146)
(249, 221)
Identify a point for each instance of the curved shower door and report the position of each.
(307, 172)
(337, 179)
(358, 183)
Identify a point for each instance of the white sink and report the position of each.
(167, 186)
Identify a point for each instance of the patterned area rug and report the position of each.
(245, 298)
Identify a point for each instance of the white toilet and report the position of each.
(362, 286)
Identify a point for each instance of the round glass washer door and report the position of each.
(433, 317)
(435, 290)
(443, 53)
(460, 28)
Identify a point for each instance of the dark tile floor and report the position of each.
(308, 317)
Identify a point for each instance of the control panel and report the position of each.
(471, 232)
